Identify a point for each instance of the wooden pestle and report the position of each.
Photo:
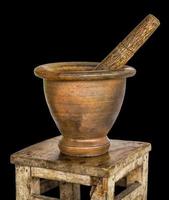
(120, 55)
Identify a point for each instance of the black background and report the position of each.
(34, 34)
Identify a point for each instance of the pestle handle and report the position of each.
(120, 55)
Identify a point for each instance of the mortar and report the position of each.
(85, 98)
(84, 103)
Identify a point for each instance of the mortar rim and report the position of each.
(62, 71)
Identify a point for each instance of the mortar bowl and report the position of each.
(84, 103)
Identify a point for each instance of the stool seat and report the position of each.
(126, 161)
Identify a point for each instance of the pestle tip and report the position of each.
(152, 17)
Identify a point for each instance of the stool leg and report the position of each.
(104, 190)
(140, 174)
(111, 188)
(25, 184)
(97, 192)
(69, 191)
(23, 179)
(145, 176)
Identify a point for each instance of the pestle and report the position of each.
(125, 50)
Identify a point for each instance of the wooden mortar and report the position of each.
(125, 50)
(85, 103)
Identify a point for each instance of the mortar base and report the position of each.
(84, 148)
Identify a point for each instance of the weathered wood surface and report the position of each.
(111, 188)
(26, 185)
(46, 154)
(126, 160)
(99, 192)
(69, 191)
(35, 187)
(132, 192)
(51, 174)
(23, 181)
(145, 176)
(42, 197)
(76, 191)
(126, 168)
(140, 174)
(131, 43)
(46, 185)
(134, 175)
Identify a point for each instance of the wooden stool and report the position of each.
(41, 167)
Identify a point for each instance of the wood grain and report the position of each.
(132, 192)
(125, 50)
(69, 191)
(111, 188)
(42, 197)
(46, 154)
(23, 180)
(63, 176)
(98, 192)
(127, 160)
(145, 176)
(46, 185)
